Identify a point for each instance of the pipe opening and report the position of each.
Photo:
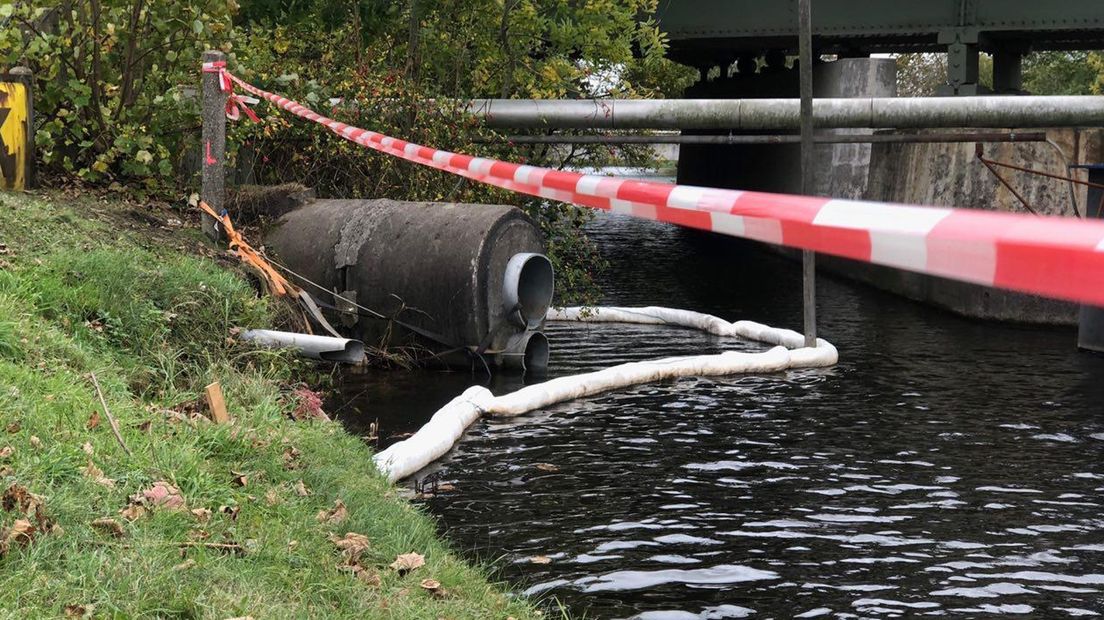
(527, 352)
(528, 288)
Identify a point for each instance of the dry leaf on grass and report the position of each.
(96, 475)
(132, 511)
(230, 511)
(19, 500)
(540, 559)
(239, 478)
(36, 443)
(79, 611)
(93, 421)
(335, 516)
(352, 545)
(20, 533)
(14, 427)
(291, 458)
(88, 449)
(163, 495)
(185, 565)
(433, 587)
(272, 497)
(407, 562)
(300, 489)
(109, 526)
(6, 452)
(202, 515)
(369, 578)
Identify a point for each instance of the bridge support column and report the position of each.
(1090, 333)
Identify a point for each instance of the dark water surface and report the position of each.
(944, 467)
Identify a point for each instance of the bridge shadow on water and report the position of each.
(945, 466)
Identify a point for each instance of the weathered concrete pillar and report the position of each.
(213, 190)
(1090, 333)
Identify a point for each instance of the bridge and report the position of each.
(707, 33)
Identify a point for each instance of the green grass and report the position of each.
(83, 289)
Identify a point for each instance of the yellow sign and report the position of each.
(14, 149)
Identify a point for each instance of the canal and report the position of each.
(944, 467)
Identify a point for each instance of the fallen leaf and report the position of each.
(407, 562)
(6, 452)
(300, 489)
(272, 497)
(202, 515)
(132, 511)
(96, 475)
(144, 427)
(352, 545)
(20, 533)
(14, 427)
(230, 511)
(88, 449)
(36, 443)
(547, 467)
(540, 559)
(239, 479)
(370, 578)
(291, 458)
(79, 611)
(335, 516)
(93, 420)
(164, 495)
(18, 499)
(430, 584)
(185, 565)
(6, 471)
(109, 526)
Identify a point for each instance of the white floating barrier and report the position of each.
(445, 428)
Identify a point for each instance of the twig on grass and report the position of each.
(110, 418)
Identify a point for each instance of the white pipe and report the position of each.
(343, 350)
(446, 426)
(785, 114)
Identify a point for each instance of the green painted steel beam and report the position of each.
(708, 27)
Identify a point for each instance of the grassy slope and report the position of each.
(84, 288)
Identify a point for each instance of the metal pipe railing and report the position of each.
(784, 114)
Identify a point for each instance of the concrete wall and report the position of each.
(923, 174)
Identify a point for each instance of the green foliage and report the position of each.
(111, 82)
(1060, 73)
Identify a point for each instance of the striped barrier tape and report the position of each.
(1049, 256)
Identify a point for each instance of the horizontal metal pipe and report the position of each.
(324, 348)
(784, 114)
(927, 138)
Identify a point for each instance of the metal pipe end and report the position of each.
(527, 288)
(526, 352)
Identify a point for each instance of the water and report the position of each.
(944, 467)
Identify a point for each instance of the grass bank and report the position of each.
(266, 517)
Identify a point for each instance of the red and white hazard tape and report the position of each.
(1050, 256)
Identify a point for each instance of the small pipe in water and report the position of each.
(325, 348)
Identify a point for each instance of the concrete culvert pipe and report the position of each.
(526, 352)
(527, 288)
(439, 269)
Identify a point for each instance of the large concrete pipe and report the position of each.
(450, 275)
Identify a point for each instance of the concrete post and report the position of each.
(213, 190)
(808, 179)
(1090, 332)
